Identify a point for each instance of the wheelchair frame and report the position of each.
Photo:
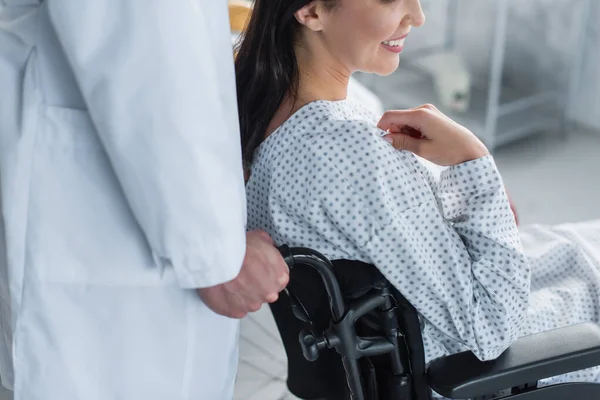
(458, 376)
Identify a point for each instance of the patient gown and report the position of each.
(326, 179)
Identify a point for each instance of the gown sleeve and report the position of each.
(157, 78)
(452, 250)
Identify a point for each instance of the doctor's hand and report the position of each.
(263, 275)
(430, 134)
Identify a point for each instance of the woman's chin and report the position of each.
(382, 65)
(387, 68)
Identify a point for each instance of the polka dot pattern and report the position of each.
(327, 180)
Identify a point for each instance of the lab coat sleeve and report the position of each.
(157, 78)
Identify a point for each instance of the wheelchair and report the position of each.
(350, 335)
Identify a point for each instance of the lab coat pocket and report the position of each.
(80, 228)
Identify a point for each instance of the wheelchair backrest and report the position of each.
(325, 377)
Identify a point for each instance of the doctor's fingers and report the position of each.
(231, 299)
(262, 235)
(258, 284)
(267, 285)
(261, 251)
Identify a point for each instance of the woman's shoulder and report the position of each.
(351, 129)
(357, 145)
(345, 126)
(338, 110)
(320, 121)
(335, 148)
(334, 134)
(334, 119)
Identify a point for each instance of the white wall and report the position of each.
(541, 43)
(586, 108)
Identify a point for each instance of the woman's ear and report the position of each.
(310, 16)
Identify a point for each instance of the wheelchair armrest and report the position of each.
(528, 360)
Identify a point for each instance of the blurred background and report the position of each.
(522, 75)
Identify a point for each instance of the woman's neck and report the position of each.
(318, 79)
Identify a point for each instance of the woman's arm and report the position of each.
(432, 173)
(454, 254)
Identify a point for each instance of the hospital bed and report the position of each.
(349, 334)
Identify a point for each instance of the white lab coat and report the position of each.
(121, 189)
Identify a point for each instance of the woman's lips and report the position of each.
(395, 45)
(393, 49)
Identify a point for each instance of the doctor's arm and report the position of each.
(157, 77)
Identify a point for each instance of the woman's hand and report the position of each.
(430, 134)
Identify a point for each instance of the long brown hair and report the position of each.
(266, 67)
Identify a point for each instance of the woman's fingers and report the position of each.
(402, 141)
(430, 134)
(394, 120)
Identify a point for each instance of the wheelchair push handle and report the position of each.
(341, 335)
(304, 256)
(288, 255)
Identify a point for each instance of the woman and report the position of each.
(323, 174)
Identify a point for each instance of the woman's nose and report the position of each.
(416, 15)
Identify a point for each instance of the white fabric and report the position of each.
(121, 189)
(327, 180)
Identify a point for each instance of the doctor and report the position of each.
(122, 234)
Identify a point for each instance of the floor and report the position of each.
(551, 180)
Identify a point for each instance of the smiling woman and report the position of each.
(322, 177)
(276, 66)
(395, 45)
